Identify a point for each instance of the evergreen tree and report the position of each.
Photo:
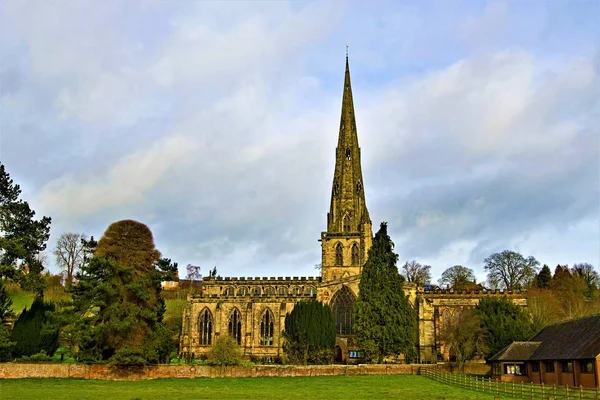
(309, 333)
(5, 305)
(504, 322)
(544, 277)
(385, 320)
(32, 331)
(22, 237)
(117, 307)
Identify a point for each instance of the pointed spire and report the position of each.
(348, 199)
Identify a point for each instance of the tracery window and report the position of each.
(256, 291)
(310, 291)
(342, 305)
(339, 254)
(270, 291)
(228, 291)
(355, 254)
(205, 327)
(297, 290)
(282, 291)
(243, 291)
(235, 326)
(266, 329)
(346, 223)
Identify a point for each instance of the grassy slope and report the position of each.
(21, 300)
(330, 388)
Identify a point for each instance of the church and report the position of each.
(252, 309)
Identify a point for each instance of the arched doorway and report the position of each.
(338, 354)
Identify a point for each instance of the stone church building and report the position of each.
(252, 309)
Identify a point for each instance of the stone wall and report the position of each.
(110, 372)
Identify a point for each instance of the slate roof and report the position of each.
(575, 339)
(516, 351)
(570, 340)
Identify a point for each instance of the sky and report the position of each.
(215, 123)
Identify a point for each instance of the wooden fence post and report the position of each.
(567, 391)
(521, 389)
(513, 388)
(531, 386)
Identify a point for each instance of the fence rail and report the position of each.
(512, 389)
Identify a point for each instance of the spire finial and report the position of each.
(346, 51)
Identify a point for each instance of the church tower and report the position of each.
(349, 234)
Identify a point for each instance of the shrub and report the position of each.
(225, 352)
(32, 333)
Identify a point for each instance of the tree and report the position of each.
(21, 237)
(117, 301)
(385, 320)
(590, 276)
(510, 270)
(457, 277)
(6, 345)
(225, 352)
(193, 273)
(309, 333)
(32, 332)
(504, 323)
(463, 335)
(5, 305)
(69, 253)
(572, 292)
(416, 273)
(544, 307)
(544, 277)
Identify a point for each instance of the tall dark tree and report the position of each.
(510, 270)
(504, 322)
(458, 277)
(22, 237)
(544, 277)
(6, 345)
(309, 333)
(117, 301)
(32, 332)
(385, 320)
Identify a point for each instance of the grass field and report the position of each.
(324, 387)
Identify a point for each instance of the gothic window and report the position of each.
(256, 291)
(343, 127)
(336, 188)
(228, 291)
(243, 291)
(358, 187)
(339, 254)
(310, 291)
(266, 329)
(235, 326)
(354, 254)
(342, 305)
(205, 327)
(348, 153)
(297, 290)
(270, 291)
(282, 291)
(346, 223)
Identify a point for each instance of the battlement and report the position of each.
(500, 292)
(259, 280)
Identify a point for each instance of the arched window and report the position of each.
(297, 290)
(342, 305)
(310, 291)
(346, 223)
(235, 326)
(243, 291)
(205, 327)
(266, 329)
(282, 291)
(228, 291)
(256, 291)
(355, 254)
(339, 254)
(348, 153)
(269, 291)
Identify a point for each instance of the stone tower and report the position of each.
(349, 235)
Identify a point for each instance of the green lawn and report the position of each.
(324, 387)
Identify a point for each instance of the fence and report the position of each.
(512, 389)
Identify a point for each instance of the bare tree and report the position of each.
(193, 273)
(463, 335)
(457, 277)
(416, 273)
(69, 252)
(586, 272)
(510, 270)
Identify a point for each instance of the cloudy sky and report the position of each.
(216, 124)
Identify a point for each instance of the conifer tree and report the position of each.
(32, 332)
(309, 333)
(385, 320)
(544, 277)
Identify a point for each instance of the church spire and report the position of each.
(348, 198)
(349, 236)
